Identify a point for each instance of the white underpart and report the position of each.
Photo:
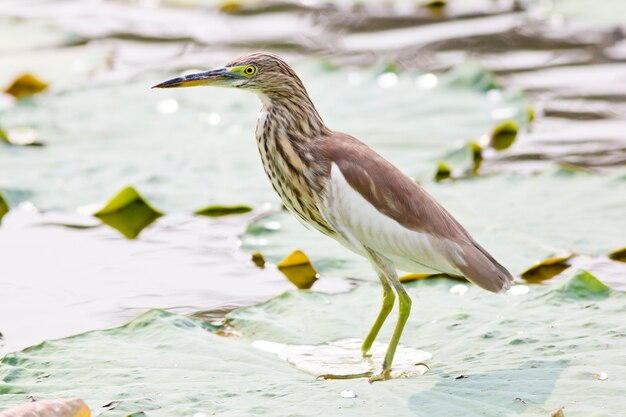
(361, 224)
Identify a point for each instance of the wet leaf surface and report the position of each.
(128, 212)
(541, 356)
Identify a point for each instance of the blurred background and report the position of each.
(116, 198)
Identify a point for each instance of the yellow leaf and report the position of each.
(298, 269)
(128, 212)
(73, 407)
(546, 269)
(26, 85)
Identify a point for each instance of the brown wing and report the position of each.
(397, 196)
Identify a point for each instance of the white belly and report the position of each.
(362, 224)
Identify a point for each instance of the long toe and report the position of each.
(383, 375)
(345, 376)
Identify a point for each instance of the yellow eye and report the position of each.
(249, 70)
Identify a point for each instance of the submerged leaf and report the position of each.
(128, 212)
(258, 259)
(298, 269)
(504, 135)
(26, 85)
(617, 255)
(546, 269)
(74, 407)
(4, 207)
(443, 172)
(218, 211)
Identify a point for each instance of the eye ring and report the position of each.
(249, 70)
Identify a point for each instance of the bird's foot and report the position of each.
(365, 354)
(346, 376)
(383, 375)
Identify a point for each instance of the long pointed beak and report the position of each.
(202, 78)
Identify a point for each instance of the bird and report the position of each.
(339, 186)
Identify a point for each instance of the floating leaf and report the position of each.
(218, 211)
(617, 255)
(4, 207)
(26, 85)
(298, 269)
(416, 277)
(128, 212)
(504, 135)
(546, 269)
(477, 157)
(258, 259)
(74, 407)
(583, 285)
(443, 172)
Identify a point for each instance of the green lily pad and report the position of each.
(128, 212)
(493, 356)
(504, 135)
(4, 207)
(218, 211)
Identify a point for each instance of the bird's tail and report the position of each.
(483, 270)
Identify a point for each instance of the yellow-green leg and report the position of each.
(388, 300)
(404, 301)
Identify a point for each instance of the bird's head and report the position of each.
(263, 73)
